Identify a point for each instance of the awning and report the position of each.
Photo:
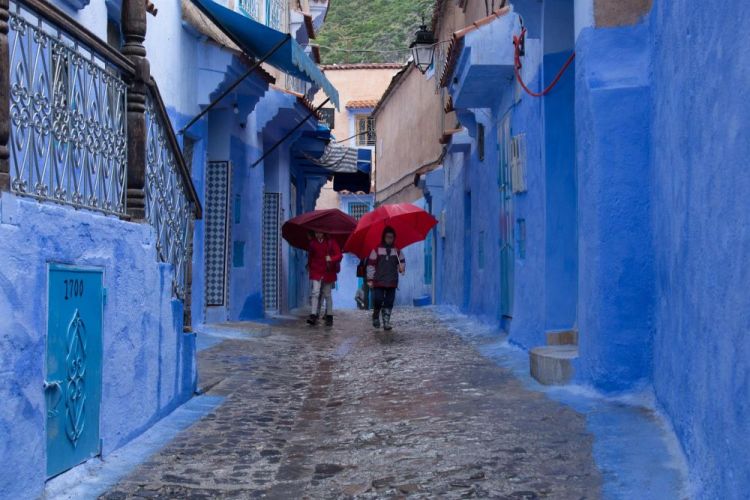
(350, 167)
(342, 159)
(257, 40)
(358, 181)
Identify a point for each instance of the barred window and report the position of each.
(358, 209)
(250, 8)
(365, 130)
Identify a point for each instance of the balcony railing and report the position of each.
(168, 202)
(83, 125)
(67, 111)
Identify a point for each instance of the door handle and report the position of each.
(55, 386)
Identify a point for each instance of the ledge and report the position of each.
(484, 64)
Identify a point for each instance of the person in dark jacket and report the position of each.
(323, 264)
(384, 265)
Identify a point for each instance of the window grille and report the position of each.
(358, 209)
(275, 14)
(250, 8)
(365, 130)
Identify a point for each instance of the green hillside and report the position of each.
(370, 25)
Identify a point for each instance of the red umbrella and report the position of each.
(411, 224)
(333, 222)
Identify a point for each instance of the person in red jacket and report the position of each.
(323, 264)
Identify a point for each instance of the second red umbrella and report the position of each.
(411, 223)
(334, 222)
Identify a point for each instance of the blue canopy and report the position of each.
(257, 40)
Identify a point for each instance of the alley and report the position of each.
(348, 412)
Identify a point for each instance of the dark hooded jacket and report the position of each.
(382, 265)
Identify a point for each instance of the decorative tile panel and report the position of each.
(216, 216)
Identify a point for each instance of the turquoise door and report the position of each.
(507, 255)
(74, 366)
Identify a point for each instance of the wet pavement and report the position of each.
(348, 412)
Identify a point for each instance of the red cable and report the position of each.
(517, 40)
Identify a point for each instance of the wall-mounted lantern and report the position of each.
(423, 48)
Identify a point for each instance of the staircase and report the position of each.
(552, 364)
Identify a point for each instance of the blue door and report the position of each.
(74, 366)
(507, 254)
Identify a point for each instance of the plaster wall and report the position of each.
(354, 85)
(407, 141)
(148, 362)
(616, 239)
(700, 188)
(93, 16)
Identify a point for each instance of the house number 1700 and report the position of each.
(73, 288)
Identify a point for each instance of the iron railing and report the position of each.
(169, 206)
(68, 112)
(74, 104)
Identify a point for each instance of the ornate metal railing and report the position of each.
(169, 206)
(68, 116)
(86, 126)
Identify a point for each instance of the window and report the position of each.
(365, 130)
(358, 209)
(328, 117)
(275, 14)
(250, 8)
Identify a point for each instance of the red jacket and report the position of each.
(317, 266)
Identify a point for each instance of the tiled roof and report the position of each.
(362, 66)
(362, 103)
(456, 43)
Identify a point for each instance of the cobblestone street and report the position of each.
(347, 412)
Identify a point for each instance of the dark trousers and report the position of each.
(383, 298)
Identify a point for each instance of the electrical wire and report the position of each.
(518, 42)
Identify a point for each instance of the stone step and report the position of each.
(553, 365)
(562, 337)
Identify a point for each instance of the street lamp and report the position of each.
(423, 48)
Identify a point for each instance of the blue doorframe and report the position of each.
(74, 366)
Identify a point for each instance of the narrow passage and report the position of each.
(347, 412)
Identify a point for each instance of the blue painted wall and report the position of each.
(701, 226)
(561, 273)
(616, 286)
(148, 366)
(545, 273)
